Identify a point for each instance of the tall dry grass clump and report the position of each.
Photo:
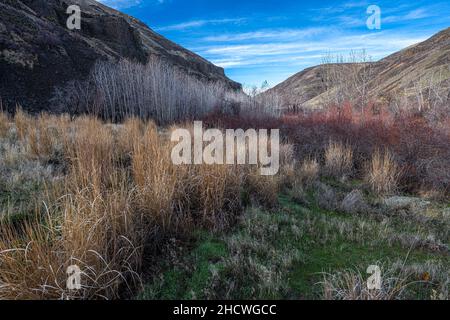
(351, 285)
(382, 173)
(305, 175)
(338, 159)
(43, 137)
(4, 124)
(118, 194)
(157, 179)
(87, 220)
(308, 172)
(263, 189)
(215, 192)
(400, 281)
(22, 122)
(96, 234)
(287, 165)
(130, 132)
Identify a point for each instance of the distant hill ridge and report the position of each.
(390, 76)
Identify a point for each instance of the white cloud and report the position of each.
(199, 23)
(121, 4)
(412, 15)
(267, 34)
(304, 53)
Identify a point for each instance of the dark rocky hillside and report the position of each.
(38, 53)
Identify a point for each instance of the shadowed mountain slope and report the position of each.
(38, 52)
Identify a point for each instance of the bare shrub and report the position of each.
(326, 197)
(157, 90)
(382, 173)
(430, 92)
(287, 164)
(308, 172)
(303, 178)
(347, 79)
(287, 156)
(420, 145)
(257, 102)
(338, 160)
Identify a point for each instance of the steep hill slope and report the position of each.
(404, 72)
(38, 52)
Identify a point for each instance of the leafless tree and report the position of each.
(157, 90)
(347, 79)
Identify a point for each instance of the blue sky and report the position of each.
(273, 39)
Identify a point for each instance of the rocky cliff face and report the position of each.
(39, 53)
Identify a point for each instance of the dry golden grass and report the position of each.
(287, 165)
(131, 131)
(88, 221)
(120, 193)
(308, 172)
(4, 124)
(382, 173)
(350, 285)
(287, 155)
(399, 282)
(338, 160)
(216, 191)
(47, 136)
(155, 177)
(22, 122)
(264, 189)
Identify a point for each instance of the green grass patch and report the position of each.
(192, 273)
(284, 254)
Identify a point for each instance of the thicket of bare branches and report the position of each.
(346, 79)
(350, 80)
(157, 91)
(427, 95)
(257, 103)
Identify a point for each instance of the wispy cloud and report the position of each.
(199, 23)
(412, 15)
(267, 34)
(339, 8)
(123, 4)
(120, 4)
(272, 39)
(304, 52)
